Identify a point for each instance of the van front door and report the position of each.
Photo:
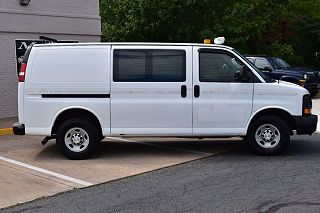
(222, 102)
(151, 90)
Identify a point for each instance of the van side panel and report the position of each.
(140, 104)
(61, 78)
(275, 95)
(68, 70)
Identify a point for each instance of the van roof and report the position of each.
(132, 43)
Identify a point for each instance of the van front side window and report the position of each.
(219, 67)
(144, 65)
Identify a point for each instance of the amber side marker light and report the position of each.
(307, 111)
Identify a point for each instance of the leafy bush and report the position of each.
(286, 28)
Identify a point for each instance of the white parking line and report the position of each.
(47, 172)
(161, 146)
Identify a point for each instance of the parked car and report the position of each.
(80, 93)
(278, 69)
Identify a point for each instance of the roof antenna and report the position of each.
(48, 39)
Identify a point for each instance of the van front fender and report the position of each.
(268, 110)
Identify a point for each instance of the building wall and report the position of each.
(77, 7)
(59, 19)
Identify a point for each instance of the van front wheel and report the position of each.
(76, 139)
(268, 135)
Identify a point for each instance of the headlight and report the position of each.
(305, 76)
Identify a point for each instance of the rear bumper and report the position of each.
(19, 129)
(306, 125)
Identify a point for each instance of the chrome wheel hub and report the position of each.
(76, 139)
(267, 136)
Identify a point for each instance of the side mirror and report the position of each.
(243, 75)
(266, 69)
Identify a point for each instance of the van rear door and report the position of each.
(151, 90)
(21, 79)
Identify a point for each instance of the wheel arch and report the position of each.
(72, 112)
(281, 112)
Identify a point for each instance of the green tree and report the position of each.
(286, 28)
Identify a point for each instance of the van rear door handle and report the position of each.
(196, 91)
(183, 91)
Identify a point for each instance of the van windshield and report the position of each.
(264, 76)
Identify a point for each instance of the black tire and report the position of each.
(82, 126)
(282, 131)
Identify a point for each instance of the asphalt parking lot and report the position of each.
(31, 171)
(237, 181)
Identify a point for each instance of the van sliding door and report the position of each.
(151, 90)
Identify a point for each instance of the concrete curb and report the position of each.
(6, 131)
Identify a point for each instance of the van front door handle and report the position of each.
(183, 91)
(196, 91)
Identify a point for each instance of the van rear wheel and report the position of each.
(77, 138)
(268, 135)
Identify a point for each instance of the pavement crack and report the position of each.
(30, 209)
(277, 207)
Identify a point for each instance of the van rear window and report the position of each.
(145, 65)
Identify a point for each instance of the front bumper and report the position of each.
(312, 86)
(19, 129)
(306, 125)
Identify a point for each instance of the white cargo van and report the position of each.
(80, 93)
